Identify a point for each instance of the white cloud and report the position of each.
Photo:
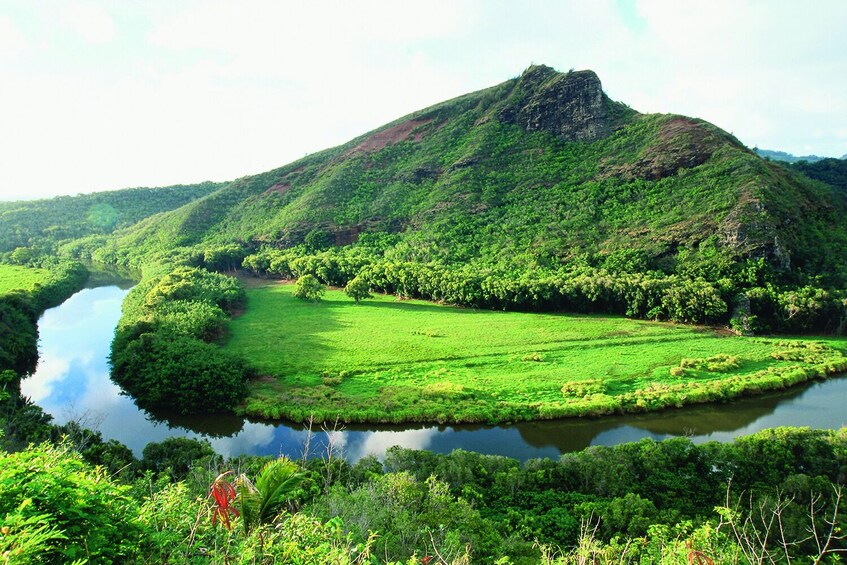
(377, 443)
(90, 22)
(12, 41)
(40, 385)
(252, 437)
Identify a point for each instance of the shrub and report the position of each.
(175, 455)
(358, 289)
(56, 490)
(308, 287)
(179, 373)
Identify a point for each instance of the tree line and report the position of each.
(757, 307)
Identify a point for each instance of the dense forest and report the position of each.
(830, 171)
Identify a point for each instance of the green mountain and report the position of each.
(40, 224)
(541, 168)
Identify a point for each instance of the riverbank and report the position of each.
(27, 293)
(390, 361)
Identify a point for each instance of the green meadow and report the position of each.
(13, 277)
(389, 360)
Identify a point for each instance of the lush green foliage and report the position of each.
(412, 516)
(760, 307)
(162, 352)
(20, 278)
(645, 502)
(26, 293)
(18, 333)
(53, 486)
(830, 171)
(261, 502)
(309, 288)
(392, 360)
(358, 289)
(640, 497)
(175, 456)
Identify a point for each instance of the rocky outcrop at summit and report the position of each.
(571, 106)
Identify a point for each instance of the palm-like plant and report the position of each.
(261, 502)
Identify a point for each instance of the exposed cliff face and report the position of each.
(571, 106)
(750, 231)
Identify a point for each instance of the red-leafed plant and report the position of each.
(223, 494)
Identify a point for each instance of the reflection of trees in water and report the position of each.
(214, 425)
(579, 433)
(108, 275)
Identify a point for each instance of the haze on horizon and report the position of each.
(101, 95)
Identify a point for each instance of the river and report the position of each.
(72, 382)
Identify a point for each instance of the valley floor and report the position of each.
(389, 360)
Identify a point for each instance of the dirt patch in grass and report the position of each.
(263, 379)
(279, 188)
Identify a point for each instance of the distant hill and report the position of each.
(830, 171)
(42, 223)
(786, 157)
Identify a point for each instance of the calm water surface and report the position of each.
(72, 382)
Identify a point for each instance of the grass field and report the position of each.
(386, 360)
(13, 277)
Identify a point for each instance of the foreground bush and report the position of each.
(77, 511)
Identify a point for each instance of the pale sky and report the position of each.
(101, 95)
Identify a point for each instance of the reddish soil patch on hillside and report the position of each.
(394, 134)
(284, 184)
(279, 188)
(681, 144)
(675, 127)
